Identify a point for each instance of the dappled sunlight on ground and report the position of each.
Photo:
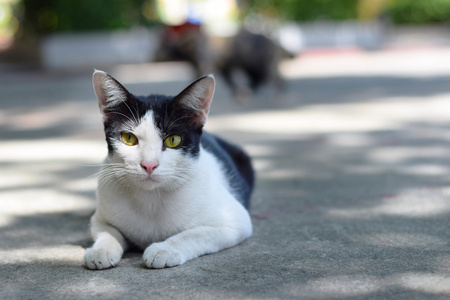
(60, 255)
(353, 286)
(335, 287)
(52, 150)
(414, 203)
(401, 240)
(38, 177)
(379, 114)
(40, 201)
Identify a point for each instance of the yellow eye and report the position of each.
(129, 138)
(173, 141)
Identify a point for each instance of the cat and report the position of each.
(257, 57)
(166, 185)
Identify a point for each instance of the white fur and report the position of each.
(183, 210)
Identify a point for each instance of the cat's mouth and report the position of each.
(149, 178)
(148, 182)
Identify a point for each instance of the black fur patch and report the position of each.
(237, 165)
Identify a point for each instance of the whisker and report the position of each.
(134, 117)
(172, 124)
(121, 114)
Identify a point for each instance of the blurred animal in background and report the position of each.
(211, 37)
(185, 42)
(183, 36)
(251, 61)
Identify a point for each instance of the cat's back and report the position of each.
(236, 164)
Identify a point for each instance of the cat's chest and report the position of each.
(148, 218)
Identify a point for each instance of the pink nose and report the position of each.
(149, 167)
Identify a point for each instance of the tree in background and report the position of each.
(34, 17)
(304, 10)
(400, 11)
(46, 16)
(420, 11)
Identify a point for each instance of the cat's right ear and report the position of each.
(109, 91)
(198, 97)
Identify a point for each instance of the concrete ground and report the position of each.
(352, 199)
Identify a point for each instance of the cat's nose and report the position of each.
(149, 167)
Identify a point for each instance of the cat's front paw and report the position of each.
(162, 255)
(99, 259)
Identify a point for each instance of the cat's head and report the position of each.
(153, 141)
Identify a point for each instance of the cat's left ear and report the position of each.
(198, 97)
(108, 90)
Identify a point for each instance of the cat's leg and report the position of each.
(108, 247)
(192, 243)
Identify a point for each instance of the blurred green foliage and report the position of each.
(400, 11)
(306, 10)
(420, 11)
(45, 16)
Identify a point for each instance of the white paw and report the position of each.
(98, 259)
(161, 255)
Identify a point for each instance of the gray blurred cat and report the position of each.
(256, 56)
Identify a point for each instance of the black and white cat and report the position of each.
(166, 186)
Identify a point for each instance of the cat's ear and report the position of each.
(198, 97)
(109, 91)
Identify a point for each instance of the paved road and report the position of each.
(352, 199)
